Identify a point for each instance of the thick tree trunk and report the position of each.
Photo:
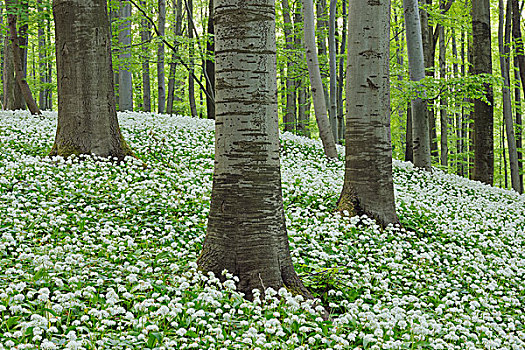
(125, 96)
(416, 64)
(504, 60)
(18, 59)
(209, 65)
(161, 84)
(145, 36)
(290, 115)
(246, 227)
(325, 131)
(87, 117)
(177, 31)
(483, 109)
(368, 186)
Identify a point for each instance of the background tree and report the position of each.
(87, 117)
(125, 77)
(368, 186)
(246, 228)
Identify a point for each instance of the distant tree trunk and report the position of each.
(504, 60)
(416, 64)
(458, 119)
(325, 131)
(303, 102)
(483, 110)
(520, 62)
(246, 232)
(125, 78)
(86, 125)
(289, 118)
(191, 81)
(341, 78)
(409, 150)
(42, 62)
(145, 36)
(443, 100)
(160, 57)
(368, 186)
(18, 59)
(177, 31)
(332, 52)
(209, 65)
(519, 122)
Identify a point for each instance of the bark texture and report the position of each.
(246, 227)
(125, 96)
(416, 64)
(145, 36)
(483, 110)
(87, 117)
(161, 87)
(289, 118)
(316, 82)
(368, 187)
(209, 65)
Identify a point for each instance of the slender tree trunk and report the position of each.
(145, 36)
(160, 57)
(86, 125)
(191, 81)
(409, 150)
(209, 65)
(301, 86)
(459, 122)
(483, 109)
(520, 59)
(341, 78)
(177, 31)
(416, 63)
(42, 64)
(519, 123)
(504, 51)
(246, 232)
(368, 187)
(332, 52)
(18, 59)
(325, 131)
(125, 78)
(289, 118)
(443, 113)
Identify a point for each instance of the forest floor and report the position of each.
(95, 255)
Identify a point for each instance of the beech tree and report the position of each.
(87, 117)
(368, 186)
(246, 227)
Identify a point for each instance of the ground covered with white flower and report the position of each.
(95, 255)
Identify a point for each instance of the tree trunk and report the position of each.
(87, 117)
(459, 122)
(145, 37)
(341, 78)
(409, 150)
(443, 113)
(368, 187)
(125, 79)
(191, 51)
(301, 86)
(42, 62)
(160, 57)
(209, 65)
(504, 60)
(18, 59)
(246, 232)
(177, 31)
(289, 119)
(325, 131)
(483, 110)
(416, 64)
(332, 53)
(520, 58)
(519, 123)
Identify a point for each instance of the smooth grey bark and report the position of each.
(301, 85)
(483, 109)
(322, 19)
(18, 60)
(321, 115)
(145, 37)
(246, 231)
(12, 99)
(125, 96)
(341, 77)
(458, 117)
(416, 64)
(161, 84)
(519, 61)
(519, 122)
(332, 53)
(290, 117)
(87, 117)
(368, 186)
(43, 100)
(443, 105)
(504, 30)
(209, 64)
(177, 31)
(191, 81)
